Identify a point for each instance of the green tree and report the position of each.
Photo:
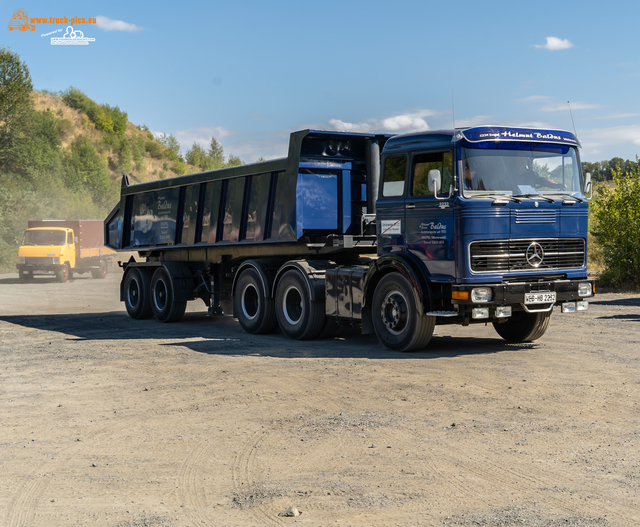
(16, 109)
(234, 161)
(216, 153)
(86, 169)
(198, 157)
(172, 146)
(616, 215)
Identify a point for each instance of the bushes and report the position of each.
(104, 117)
(154, 149)
(616, 225)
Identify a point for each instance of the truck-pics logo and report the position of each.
(20, 21)
(71, 38)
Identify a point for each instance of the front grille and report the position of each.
(511, 255)
(38, 260)
(536, 217)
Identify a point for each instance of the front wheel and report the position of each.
(396, 321)
(523, 326)
(64, 273)
(298, 316)
(26, 277)
(255, 312)
(163, 303)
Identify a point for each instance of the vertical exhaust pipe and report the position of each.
(372, 155)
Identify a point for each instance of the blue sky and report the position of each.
(250, 72)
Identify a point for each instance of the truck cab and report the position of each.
(494, 222)
(48, 250)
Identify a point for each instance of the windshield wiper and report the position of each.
(536, 196)
(566, 196)
(496, 197)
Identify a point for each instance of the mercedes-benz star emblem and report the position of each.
(535, 254)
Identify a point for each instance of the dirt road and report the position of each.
(107, 421)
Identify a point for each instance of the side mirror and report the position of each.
(434, 180)
(588, 188)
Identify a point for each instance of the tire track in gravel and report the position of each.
(244, 481)
(192, 491)
(533, 481)
(22, 507)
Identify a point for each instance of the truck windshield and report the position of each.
(519, 169)
(44, 238)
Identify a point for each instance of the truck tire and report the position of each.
(255, 312)
(25, 277)
(137, 297)
(396, 321)
(523, 326)
(163, 303)
(100, 273)
(329, 328)
(64, 273)
(299, 317)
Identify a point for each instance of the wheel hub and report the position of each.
(394, 312)
(292, 305)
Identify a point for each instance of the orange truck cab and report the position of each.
(61, 248)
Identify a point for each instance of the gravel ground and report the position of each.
(107, 421)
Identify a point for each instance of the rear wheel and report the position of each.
(395, 316)
(163, 303)
(137, 298)
(100, 273)
(298, 316)
(64, 273)
(523, 326)
(255, 312)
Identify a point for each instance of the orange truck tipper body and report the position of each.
(63, 247)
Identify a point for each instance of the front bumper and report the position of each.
(513, 294)
(30, 268)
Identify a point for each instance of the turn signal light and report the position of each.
(460, 295)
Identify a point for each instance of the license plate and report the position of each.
(539, 298)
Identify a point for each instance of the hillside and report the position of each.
(155, 162)
(66, 158)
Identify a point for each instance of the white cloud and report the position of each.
(610, 142)
(534, 99)
(272, 146)
(397, 124)
(476, 120)
(107, 24)
(554, 44)
(564, 106)
(201, 135)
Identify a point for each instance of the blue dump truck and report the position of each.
(392, 234)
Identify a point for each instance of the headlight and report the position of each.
(21, 259)
(481, 294)
(584, 289)
(56, 260)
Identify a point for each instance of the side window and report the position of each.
(395, 171)
(69, 238)
(423, 163)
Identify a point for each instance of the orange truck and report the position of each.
(63, 247)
